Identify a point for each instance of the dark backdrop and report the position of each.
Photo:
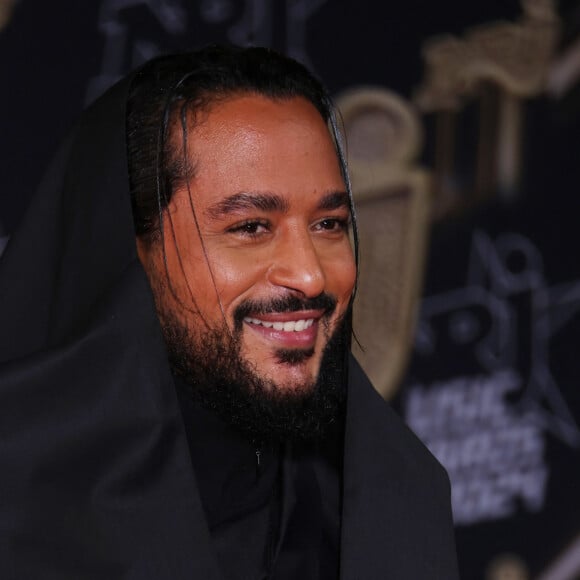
(493, 382)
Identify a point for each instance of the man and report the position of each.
(176, 393)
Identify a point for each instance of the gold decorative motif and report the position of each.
(514, 56)
(384, 136)
(496, 66)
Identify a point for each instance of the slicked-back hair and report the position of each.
(170, 91)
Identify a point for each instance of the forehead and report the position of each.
(252, 114)
(253, 143)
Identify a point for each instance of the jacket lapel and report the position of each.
(396, 509)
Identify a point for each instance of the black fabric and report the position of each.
(396, 520)
(241, 497)
(277, 519)
(96, 479)
(309, 547)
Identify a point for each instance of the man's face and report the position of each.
(257, 247)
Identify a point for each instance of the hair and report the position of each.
(173, 90)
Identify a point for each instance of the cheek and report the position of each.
(234, 275)
(190, 275)
(235, 269)
(341, 276)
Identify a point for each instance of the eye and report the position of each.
(333, 224)
(250, 228)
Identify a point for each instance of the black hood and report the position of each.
(96, 480)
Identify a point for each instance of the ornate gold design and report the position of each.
(514, 56)
(564, 71)
(384, 136)
(496, 65)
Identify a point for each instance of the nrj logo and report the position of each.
(126, 44)
(487, 422)
(134, 31)
(504, 318)
(256, 22)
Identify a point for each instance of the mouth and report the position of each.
(288, 326)
(286, 330)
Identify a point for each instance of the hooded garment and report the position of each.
(96, 480)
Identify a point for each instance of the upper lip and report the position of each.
(288, 316)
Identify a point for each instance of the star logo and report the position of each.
(506, 317)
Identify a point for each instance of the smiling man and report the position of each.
(255, 272)
(177, 396)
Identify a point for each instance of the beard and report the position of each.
(220, 379)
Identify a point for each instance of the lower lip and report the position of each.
(295, 339)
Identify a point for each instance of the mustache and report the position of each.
(323, 301)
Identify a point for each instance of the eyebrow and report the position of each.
(335, 200)
(239, 202)
(242, 201)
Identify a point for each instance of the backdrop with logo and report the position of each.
(463, 128)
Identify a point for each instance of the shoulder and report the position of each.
(396, 494)
(371, 413)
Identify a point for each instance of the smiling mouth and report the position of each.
(287, 326)
(288, 330)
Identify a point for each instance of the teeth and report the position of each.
(291, 326)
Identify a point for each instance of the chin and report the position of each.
(264, 392)
(289, 370)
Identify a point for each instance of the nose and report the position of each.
(296, 266)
